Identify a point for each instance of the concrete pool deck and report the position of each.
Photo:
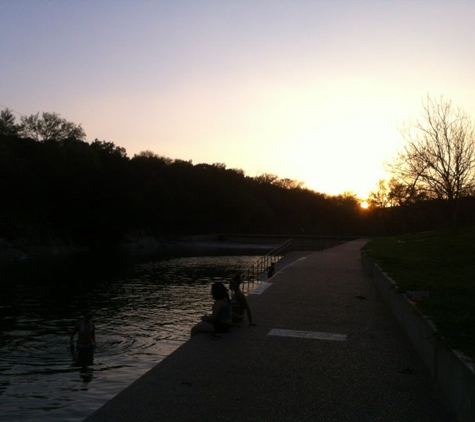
(325, 348)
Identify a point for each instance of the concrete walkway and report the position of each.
(325, 348)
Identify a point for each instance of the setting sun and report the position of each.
(364, 205)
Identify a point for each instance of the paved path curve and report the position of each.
(325, 349)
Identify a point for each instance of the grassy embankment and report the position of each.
(443, 264)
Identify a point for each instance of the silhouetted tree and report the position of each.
(49, 127)
(8, 127)
(438, 158)
(266, 178)
(289, 184)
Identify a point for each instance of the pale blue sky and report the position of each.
(308, 90)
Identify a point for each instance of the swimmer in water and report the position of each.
(86, 332)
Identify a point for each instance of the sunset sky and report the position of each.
(310, 90)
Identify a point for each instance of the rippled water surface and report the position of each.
(142, 312)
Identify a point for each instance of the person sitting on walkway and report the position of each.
(220, 319)
(239, 301)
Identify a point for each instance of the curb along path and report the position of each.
(326, 348)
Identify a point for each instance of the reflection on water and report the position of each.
(142, 312)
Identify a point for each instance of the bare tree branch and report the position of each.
(439, 155)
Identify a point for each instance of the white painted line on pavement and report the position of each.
(259, 289)
(307, 334)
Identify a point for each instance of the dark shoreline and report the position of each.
(24, 250)
(142, 248)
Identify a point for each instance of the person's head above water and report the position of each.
(87, 314)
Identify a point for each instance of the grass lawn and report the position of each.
(442, 263)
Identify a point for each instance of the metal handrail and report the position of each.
(256, 271)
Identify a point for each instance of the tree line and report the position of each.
(56, 185)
